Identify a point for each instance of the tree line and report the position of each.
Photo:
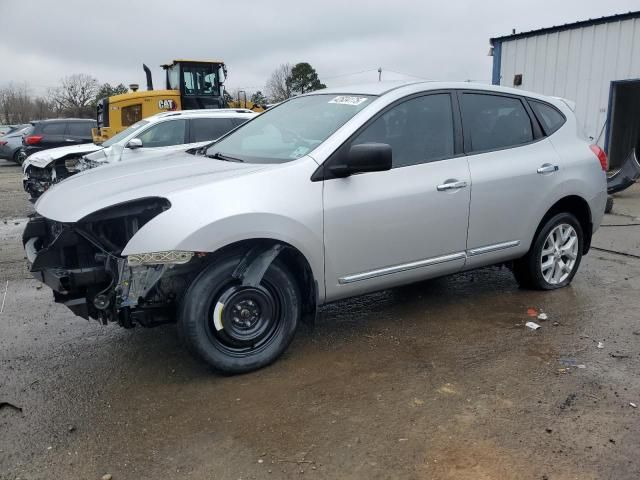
(77, 95)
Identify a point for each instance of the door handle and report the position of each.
(451, 186)
(69, 140)
(548, 168)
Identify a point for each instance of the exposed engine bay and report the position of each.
(37, 180)
(82, 263)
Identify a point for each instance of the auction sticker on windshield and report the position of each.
(347, 100)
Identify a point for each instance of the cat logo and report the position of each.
(166, 105)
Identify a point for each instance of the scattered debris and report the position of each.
(548, 430)
(260, 460)
(403, 439)
(571, 362)
(555, 324)
(543, 317)
(10, 405)
(532, 312)
(569, 401)
(107, 476)
(612, 441)
(633, 405)
(618, 355)
(532, 325)
(600, 345)
(72, 428)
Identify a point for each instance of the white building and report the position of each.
(595, 63)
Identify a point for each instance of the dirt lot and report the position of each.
(439, 380)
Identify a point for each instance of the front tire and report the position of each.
(555, 255)
(236, 328)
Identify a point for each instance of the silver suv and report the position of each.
(163, 133)
(326, 196)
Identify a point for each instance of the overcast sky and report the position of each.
(42, 41)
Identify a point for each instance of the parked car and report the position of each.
(161, 133)
(326, 196)
(4, 129)
(56, 133)
(11, 142)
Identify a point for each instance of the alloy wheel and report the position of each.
(559, 254)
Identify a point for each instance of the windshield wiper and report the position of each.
(226, 158)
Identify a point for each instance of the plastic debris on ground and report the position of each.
(532, 325)
(633, 405)
(532, 312)
(600, 345)
(543, 316)
(571, 362)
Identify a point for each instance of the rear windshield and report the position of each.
(290, 130)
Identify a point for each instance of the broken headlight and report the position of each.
(71, 164)
(175, 257)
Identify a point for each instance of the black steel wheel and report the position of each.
(238, 328)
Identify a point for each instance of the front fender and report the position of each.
(249, 226)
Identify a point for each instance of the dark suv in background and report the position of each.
(56, 133)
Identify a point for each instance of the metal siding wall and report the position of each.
(577, 64)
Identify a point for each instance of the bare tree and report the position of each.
(278, 85)
(16, 104)
(75, 94)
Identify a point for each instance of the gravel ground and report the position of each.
(438, 380)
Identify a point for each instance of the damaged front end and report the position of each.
(82, 263)
(37, 179)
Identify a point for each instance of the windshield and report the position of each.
(290, 130)
(125, 133)
(200, 80)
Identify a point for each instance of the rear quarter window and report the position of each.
(549, 117)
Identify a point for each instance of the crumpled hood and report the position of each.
(44, 157)
(93, 190)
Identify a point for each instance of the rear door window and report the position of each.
(164, 134)
(492, 122)
(54, 128)
(550, 118)
(80, 129)
(204, 129)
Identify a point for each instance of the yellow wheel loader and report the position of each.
(189, 85)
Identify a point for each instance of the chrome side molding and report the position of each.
(356, 277)
(492, 248)
(401, 268)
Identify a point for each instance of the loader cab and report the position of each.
(200, 83)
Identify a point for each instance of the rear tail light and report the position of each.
(32, 139)
(2, 142)
(602, 156)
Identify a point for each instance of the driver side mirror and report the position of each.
(134, 143)
(362, 158)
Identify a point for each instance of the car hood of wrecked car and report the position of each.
(44, 157)
(113, 184)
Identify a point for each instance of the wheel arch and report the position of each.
(577, 206)
(291, 256)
